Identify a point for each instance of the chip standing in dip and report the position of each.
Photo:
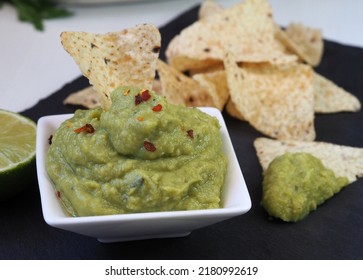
(141, 155)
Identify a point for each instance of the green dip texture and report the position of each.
(295, 184)
(141, 155)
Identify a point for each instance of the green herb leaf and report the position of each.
(35, 11)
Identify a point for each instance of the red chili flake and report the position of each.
(157, 108)
(86, 128)
(190, 133)
(145, 95)
(138, 99)
(50, 139)
(149, 146)
(58, 194)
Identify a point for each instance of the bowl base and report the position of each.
(141, 237)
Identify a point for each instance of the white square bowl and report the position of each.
(123, 227)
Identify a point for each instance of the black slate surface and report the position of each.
(334, 231)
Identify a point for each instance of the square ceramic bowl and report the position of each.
(112, 228)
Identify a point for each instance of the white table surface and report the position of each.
(33, 64)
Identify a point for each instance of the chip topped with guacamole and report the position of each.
(298, 176)
(295, 184)
(142, 154)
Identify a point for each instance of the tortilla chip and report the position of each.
(305, 42)
(115, 59)
(330, 98)
(208, 69)
(216, 85)
(184, 63)
(276, 100)
(181, 89)
(157, 87)
(233, 112)
(343, 160)
(246, 29)
(208, 8)
(86, 97)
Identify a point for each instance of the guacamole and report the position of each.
(141, 155)
(295, 184)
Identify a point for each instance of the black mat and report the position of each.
(334, 231)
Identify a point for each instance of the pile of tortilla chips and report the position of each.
(237, 59)
(269, 77)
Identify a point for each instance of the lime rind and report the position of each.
(13, 165)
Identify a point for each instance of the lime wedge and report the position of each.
(17, 153)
